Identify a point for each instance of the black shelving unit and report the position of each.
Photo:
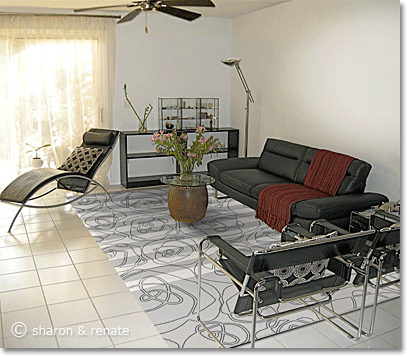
(127, 157)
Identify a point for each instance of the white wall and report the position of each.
(325, 74)
(176, 59)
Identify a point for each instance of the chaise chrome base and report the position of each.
(24, 204)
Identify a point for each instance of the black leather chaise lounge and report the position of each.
(75, 174)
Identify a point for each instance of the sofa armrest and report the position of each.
(215, 167)
(332, 207)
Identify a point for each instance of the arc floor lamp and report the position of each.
(235, 62)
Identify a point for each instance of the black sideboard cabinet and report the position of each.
(127, 157)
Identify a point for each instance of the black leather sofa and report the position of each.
(285, 162)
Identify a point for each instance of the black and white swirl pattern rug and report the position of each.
(157, 259)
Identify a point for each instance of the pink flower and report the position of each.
(200, 128)
(211, 148)
(192, 154)
(202, 140)
(155, 136)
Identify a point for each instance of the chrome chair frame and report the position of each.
(378, 264)
(367, 260)
(245, 290)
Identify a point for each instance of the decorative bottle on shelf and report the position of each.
(178, 125)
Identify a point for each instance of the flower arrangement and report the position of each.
(175, 144)
(148, 109)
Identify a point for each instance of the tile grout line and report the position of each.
(86, 290)
(113, 344)
(398, 328)
(1, 326)
(42, 289)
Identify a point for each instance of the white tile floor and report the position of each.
(55, 279)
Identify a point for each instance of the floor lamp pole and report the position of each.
(247, 125)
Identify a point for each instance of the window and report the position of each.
(54, 73)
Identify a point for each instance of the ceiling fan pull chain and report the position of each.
(146, 29)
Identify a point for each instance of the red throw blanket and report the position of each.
(323, 178)
(326, 171)
(275, 203)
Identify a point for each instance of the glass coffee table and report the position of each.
(187, 200)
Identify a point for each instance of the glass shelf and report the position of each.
(181, 110)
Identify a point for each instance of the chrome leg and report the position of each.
(377, 289)
(218, 197)
(200, 253)
(199, 280)
(254, 313)
(349, 335)
(15, 217)
(363, 301)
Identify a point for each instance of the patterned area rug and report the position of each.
(157, 259)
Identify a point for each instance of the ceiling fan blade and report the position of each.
(130, 16)
(183, 14)
(101, 7)
(188, 3)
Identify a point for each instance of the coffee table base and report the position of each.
(187, 204)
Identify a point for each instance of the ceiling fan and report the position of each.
(165, 6)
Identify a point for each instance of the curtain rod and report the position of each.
(49, 14)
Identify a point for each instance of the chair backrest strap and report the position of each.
(308, 251)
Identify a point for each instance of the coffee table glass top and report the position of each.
(196, 181)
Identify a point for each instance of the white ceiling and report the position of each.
(223, 8)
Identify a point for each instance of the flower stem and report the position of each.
(126, 97)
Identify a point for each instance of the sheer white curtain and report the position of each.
(57, 79)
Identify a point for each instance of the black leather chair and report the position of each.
(260, 284)
(76, 174)
(382, 255)
(379, 256)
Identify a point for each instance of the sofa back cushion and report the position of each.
(282, 158)
(291, 161)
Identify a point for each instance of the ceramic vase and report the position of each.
(36, 162)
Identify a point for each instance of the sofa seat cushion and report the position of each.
(258, 188)
(244, 180)
(332, 207)
(314, 209)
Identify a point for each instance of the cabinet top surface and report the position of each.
(151, 132)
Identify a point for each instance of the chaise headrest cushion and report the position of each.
(103, 139)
